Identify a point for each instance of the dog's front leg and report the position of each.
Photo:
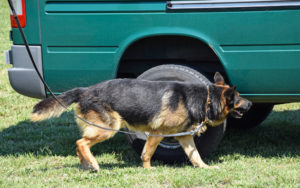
(188, 145)
(149, 149)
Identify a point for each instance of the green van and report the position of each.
(255, 44)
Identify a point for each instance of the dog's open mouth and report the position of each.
(237, 113)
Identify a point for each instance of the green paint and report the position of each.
(83, 42)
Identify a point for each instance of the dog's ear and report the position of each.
(229, 93)
(219, 80)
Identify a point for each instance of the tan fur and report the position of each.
(166, 121)
(239, 104)
(189, 147)
(93, 135)
(167, 118)
(224, 111)
(201, 131)
(55, 111)
(149, 149)
(113, 121)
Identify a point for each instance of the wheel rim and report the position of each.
(169, 143)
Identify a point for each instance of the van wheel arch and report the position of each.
(151, 51)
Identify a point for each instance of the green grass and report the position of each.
(43, 154)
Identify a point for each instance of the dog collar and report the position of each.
(207, 105)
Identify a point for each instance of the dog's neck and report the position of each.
(200, 104)
(212, 113)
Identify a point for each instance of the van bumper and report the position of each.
(23, 77)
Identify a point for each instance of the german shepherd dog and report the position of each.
(157, 107)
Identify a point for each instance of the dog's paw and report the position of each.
(150, 168)
(214, 167)
(207, 167)
(92, 168)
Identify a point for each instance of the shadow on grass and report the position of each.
(57, 137)
(278, 136)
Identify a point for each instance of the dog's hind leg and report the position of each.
(149, 149)
(85, 155)
(88, 161)
(189, 147)
(92, 135)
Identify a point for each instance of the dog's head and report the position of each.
(230, 101)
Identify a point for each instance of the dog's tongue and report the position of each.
(239, 113)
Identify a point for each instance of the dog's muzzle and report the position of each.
(241, 110)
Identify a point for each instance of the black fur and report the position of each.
(159, 107)
(139, 101)
(67, 98)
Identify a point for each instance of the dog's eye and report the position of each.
(231, 104)
(237, 101)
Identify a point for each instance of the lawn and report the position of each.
(43, 154)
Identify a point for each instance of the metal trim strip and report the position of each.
(230, 4)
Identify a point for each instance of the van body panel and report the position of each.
(83, 41)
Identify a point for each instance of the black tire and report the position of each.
(255, 116)
(169, 150)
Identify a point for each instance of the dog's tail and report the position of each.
(49, 107)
